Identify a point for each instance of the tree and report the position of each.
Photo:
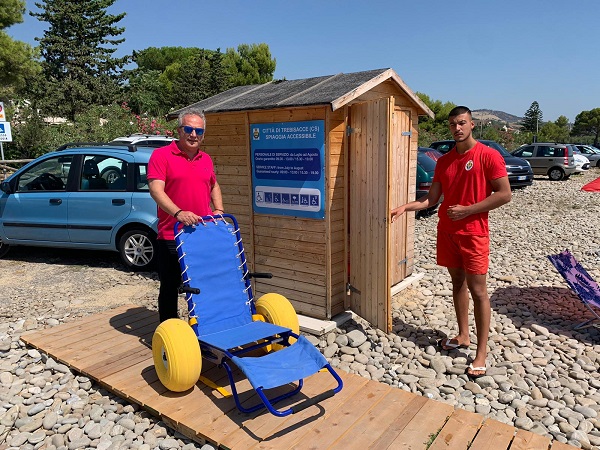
(557, 131)
(17, 59)
(435, 129)
(249, 64)
(532, 120)
(203, 72)
(78, 66)
(174, 77)
(588, 123)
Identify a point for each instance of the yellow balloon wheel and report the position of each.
(176, 354)
(278, 310)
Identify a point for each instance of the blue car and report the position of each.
(92, 197)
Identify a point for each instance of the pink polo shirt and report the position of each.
(187, 182)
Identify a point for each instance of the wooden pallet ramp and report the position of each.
(113, 349)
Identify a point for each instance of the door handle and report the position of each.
(118, 201)
(56, 201)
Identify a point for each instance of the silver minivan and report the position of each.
(554, 160)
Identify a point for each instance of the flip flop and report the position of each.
(475, 369)
(447, 344)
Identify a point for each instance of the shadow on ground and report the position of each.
(68, 257)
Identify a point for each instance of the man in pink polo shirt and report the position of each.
(183, 184)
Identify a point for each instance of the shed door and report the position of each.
(402, 186)
(369, 151)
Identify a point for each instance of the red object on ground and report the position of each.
(593, 186)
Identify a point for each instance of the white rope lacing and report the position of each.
(214, 218)
(187, 278)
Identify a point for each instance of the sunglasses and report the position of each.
(188, 130)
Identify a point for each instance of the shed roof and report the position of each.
(337, 90)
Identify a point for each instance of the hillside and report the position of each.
(496, 116)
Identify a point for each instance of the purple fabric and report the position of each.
(577, 277)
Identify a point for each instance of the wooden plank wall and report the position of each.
(297, 251)
(307, 257)
(401, 101)
(404, 104)
(402, 190)
(369, 209)
(226, 141)
(337, 148)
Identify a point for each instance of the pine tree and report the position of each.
(532, 121)
(17, 59)
(79, 69)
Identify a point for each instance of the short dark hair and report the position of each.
(458, 110)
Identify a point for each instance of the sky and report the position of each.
(485, 54)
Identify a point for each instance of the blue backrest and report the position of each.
(211, 261)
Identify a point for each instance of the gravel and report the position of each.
(542, 374)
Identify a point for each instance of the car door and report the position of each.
(37, 209)
(528, 152)
(546, 157)
(101, 201)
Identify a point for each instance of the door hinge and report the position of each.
(407, 133)
(350, 130)
(350, 289)
(402, 261)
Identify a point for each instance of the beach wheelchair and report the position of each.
(226, 325)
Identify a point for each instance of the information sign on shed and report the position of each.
(288, 168)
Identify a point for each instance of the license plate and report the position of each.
(522, 177)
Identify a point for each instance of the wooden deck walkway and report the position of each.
(113, 348)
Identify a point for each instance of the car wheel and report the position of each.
(111, 174)
(556, 174)
(3, 249)
(138, 249)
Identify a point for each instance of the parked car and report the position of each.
(581, 162)
(551, 159)
(591, 153)
(432, 153)
(518, 169)
(62, 200)
(425, 170)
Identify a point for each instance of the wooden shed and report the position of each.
(311, 169)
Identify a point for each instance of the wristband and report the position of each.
(219, 210)
(175, 215)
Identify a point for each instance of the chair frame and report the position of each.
(223, 357)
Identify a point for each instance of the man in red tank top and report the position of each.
(473, 181)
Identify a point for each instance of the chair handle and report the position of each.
(259, 275)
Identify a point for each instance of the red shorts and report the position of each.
(466, 251)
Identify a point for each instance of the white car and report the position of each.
(591, 153)
(143, 140)
(581, 162)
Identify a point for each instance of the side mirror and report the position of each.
(5, 187)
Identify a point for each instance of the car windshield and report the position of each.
(426, 162)
(496, 146)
